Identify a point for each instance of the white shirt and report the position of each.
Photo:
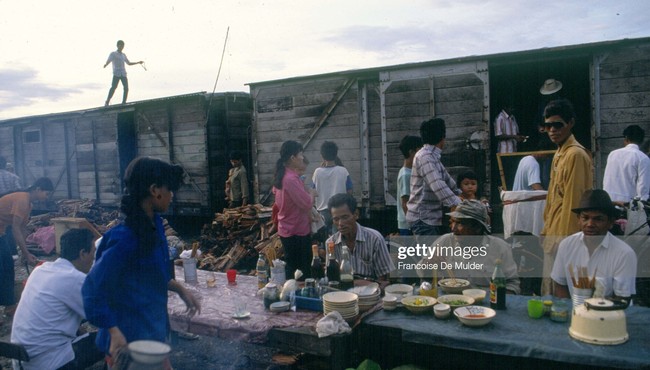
(613, 258)
(403, 189)
(329, 181)
(527, 174)
(48, 314)
(627, 174)
(118, 59)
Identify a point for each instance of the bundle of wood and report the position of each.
(235, 238)
(100, 217)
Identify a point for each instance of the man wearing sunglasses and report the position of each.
(571, 175)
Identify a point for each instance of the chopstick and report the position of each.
(583, 280)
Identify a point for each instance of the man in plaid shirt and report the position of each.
(431, 186)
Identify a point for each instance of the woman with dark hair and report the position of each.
(14, 211)
(294, 205)
(125, 293)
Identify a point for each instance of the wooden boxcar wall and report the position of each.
(291, 111)
(175, 130)
(370, 113)
(457, 93)
(622, 90)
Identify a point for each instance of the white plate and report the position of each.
(366, 290)
(340, 297)
(241, 316)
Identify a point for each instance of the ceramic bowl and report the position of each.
(477, 294)
(475, 315)
(149, 351)
(442, 310)
(453, 286)
(456, 300)
(418, 304)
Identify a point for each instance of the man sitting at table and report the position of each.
(51, 309)
(470, 229)
(368, 250)
(612, 261)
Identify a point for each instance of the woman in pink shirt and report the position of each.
(294, 205)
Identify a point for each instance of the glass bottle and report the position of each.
(346, 270)
(262, 272)
(498, 288)
(316, 265)
(333, 269)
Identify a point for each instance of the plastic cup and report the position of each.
(211, 280)
(535, 308)
(189, 270)
(231, 275)
(579, 295)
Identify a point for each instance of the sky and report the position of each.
(53, 52)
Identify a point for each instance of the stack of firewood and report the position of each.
(100, 217)
(235, 238)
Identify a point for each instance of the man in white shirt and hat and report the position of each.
(610, 259)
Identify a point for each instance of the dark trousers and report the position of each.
(125, 86)
(7, 274)
(423, 228)
(85, 353)
(297, 255)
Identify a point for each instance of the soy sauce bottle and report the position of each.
(333, 269)
(498, 288)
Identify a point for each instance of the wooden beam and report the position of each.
(327, 112)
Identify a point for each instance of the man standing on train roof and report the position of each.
(118, 58)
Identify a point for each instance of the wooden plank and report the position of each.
(294, 88)
(625, 100)
(634, 114)
(629, 69)
(624, 85)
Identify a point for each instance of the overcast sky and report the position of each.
(52, 52)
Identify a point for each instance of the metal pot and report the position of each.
(600, 321)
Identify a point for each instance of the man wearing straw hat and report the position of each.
(470, 252)
(610, 260)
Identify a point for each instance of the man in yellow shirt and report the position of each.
(571, 175)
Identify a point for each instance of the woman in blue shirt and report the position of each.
(125, 293)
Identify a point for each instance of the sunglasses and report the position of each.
(556, 125)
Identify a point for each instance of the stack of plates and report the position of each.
(369, 296)
(346, 303)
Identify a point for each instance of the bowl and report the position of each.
(477, 294)
(148, 351)
(441, 310)
(475, 315)
(418, 304)
(399, 290)
(453, 286)
(456, 300)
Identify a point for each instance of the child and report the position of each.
(329, 179)
(468, 183)
(409, 145)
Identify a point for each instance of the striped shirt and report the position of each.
(431, 188)
(370, 257)
(506, 125)
(8, 182)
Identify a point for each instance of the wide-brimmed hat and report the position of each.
(597, 200)
(550, 86)
(473, 209)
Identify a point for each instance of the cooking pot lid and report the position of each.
(599, 303)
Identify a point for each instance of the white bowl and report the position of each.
(418, 304)
(148, 351)
(477, 294)
(399, 290)
(453, 286)
(454, 300)
(442, 310)
(475, 315)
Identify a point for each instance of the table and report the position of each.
(287, 330)
(511, 337)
